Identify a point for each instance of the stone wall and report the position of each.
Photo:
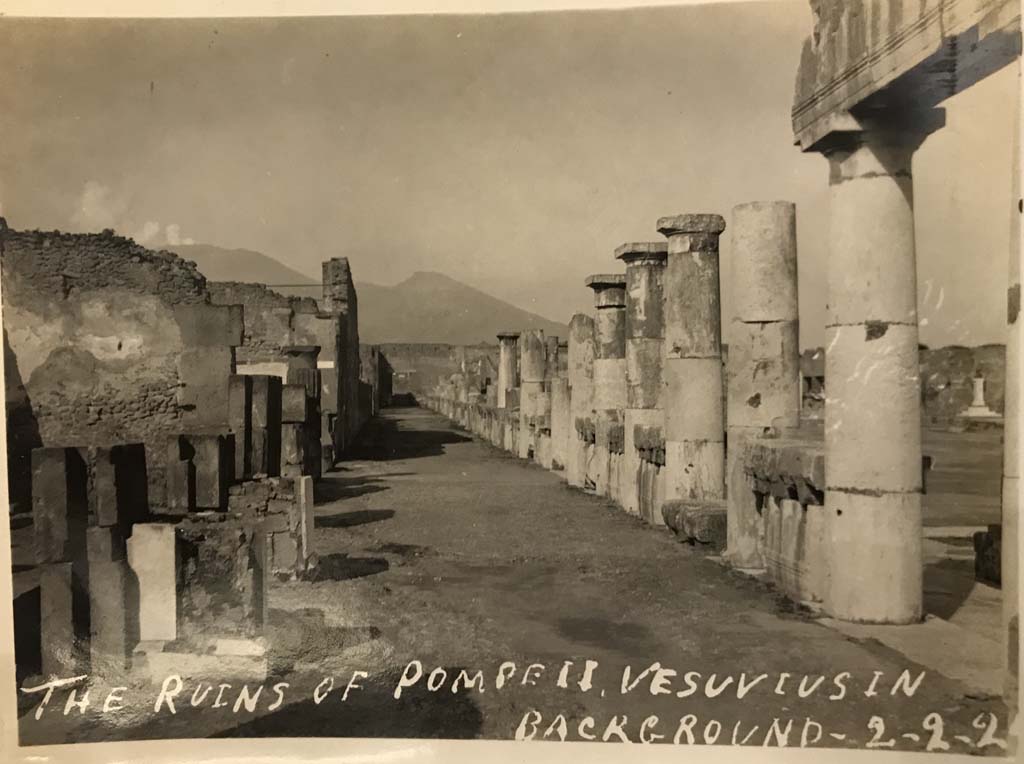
(269, 317)
(106, 341)
(419, 367)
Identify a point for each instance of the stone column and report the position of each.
(764, 354)
(609, 369)
(692, 364)
(581, 392)
(1011, 434)
(645, 331)
(873, 470)
(531, 385)
(507, 352)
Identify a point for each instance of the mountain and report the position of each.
(426, 307)
(432, 307)
(219, 264)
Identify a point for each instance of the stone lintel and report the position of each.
(642, 250)
(893, 126)
(691, 223)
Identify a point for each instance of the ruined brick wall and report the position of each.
(105, 342)
(269, 317)
(417, 368)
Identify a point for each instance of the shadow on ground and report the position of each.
(341, 567)
(947, 585)
(356, 517)
(373, 712)
(385, 439)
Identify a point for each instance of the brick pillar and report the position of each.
(692, 366)
(645, 331)
(609, 373)
(764, 354)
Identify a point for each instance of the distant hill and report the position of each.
(432, 307)
(426, 307)
(219, 264)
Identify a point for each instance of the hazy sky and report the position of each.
(511, 152)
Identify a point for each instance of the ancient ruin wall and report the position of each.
(419, 367)
(102, 344)
(269, 317)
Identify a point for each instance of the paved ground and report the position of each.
(438, 548)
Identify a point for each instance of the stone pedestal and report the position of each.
(153, 559)
(692, 362)
(764, 354)
(645, 327)
(609, 368)
(873, 407)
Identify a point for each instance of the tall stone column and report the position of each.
(692, 366)
(645, 331)
(1011, 434)
(764, 354)
(581, 392)
(507, 365)
(873, 470)
(609, 369)
(532, 369)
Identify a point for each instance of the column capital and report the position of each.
(609, 289)
(889, 127)
(655, 252)
(508, 334)
(699, 223)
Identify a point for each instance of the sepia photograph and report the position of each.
(643, 375)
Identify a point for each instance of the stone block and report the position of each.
(180, 475)
(702, 522)
(64, 619)
(285, 552)
(112, 632)
(222, 590)
(266, 420)
(213, 461)
(240, 423)
(153, 559)
(60, 510)
(309, 378)
(294, 404)
(104, 545)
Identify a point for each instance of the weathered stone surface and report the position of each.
(240, 423)
(59, 504)
(152, 558)
(294, 404)
(266, 421)
(222, 567)
(112, 632)
(764, 381)
(180, 475)
(64, 619)
(105, 545)
(213, 461)
(703, 522)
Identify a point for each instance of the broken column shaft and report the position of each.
(764, 354)
(609, 371)
(645, 275)
(692, 362)
(507, 363)
(581, 391)
(532, 368)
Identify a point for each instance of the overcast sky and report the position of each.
(512, 152)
